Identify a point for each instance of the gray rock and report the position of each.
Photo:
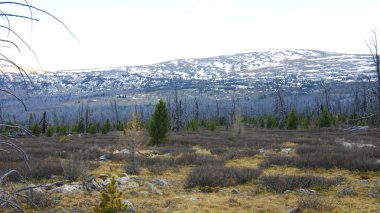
(154, 189)
(378, 161)
(288, 191)
(356, 128)
(346, 191)
(35, 191)
(94, 184)
(151, 187)
(235, 191)
(286, 150)
(366, 145)
(106, 182)
(132, 185)
(123, 181)
(68, 188)
(295, 210)
(145, 193)
(161, 182)
(130, 208)
(158, 192)
(306, 191)
(125, 152)
(103, 158)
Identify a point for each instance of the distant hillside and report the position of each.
(256, 70)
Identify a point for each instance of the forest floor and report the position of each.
(315, 170)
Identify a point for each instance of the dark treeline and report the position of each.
(189, 110)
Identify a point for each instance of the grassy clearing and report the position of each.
(206, 156)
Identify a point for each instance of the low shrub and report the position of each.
(43, 169)
(279, 160)
(218, 150)
(328, 156)
(93, 152)
(174, 150)
(197, 159)
(220, 176)
(157, 165)
(314, 202)
(281, 183)
(233, 154)
(64, 139)
(74, 167)
(133, 168)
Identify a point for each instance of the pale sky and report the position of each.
(135, 32)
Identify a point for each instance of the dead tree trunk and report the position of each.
(43, 123)
(373, 48)
(177, 111)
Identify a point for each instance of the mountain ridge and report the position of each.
(250, 70)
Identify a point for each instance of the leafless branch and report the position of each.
(18, 16)
(40, 10)
(15, 206)
(20, 151)
(26, 130)
(15, 96)
(7, 174)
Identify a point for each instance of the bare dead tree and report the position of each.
(115, 111)
(326, 90)
(178, 111)
(280, 105)
(373, 48)
(14, 42)
(135, 136)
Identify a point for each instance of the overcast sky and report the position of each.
(135, 32)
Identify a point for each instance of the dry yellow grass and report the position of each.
(251, 197)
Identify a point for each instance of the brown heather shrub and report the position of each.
(233, 154)
(43, 169)
(314, 202)
(353, 159)
(281, 183)
(220, 176)
(174, 150)
(218, 150)
(198, 159)
(156, 165)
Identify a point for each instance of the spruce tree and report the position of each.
(325, 119)
(159, 124)
(292, 120)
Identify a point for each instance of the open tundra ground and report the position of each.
(250, 170)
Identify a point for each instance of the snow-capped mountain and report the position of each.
(248, 70)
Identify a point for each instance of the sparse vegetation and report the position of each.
(313, 202)
(281, 183)
(205, 161)
(328, 157)
(220, 176)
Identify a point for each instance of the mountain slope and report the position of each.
(253, 70)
